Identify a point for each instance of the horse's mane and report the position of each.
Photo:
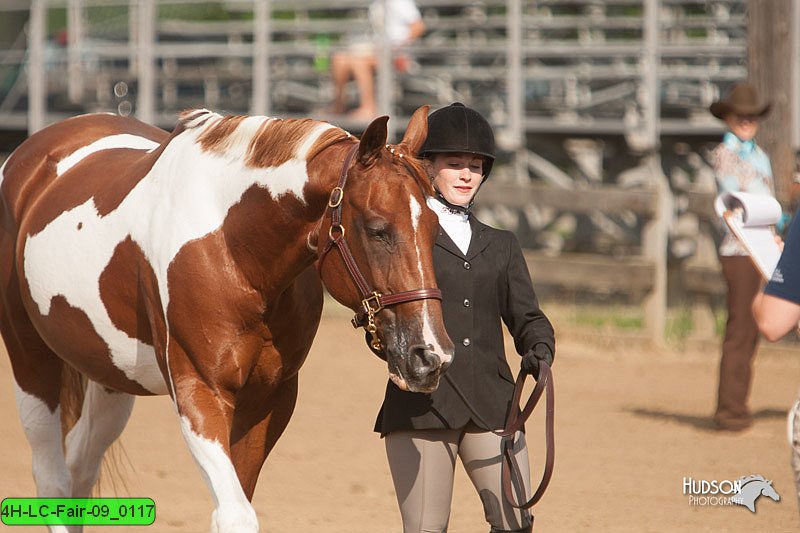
(264, 142)
(414, 167)
(261, 141)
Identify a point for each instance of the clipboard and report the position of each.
(751, 217)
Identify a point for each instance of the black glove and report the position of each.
(530, 361)
(379, 353)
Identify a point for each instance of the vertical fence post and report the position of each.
(769, 69)
(145, 108)
(515, 106)
(75, 34)
(654, 236)
(260, 104)
(385, 73)
(36, 75)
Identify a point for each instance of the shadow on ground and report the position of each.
(698, 422)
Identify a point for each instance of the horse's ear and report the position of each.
(417, 130)
(374, 139)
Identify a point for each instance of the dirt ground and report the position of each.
(632, 423)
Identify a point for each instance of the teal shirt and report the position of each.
(741, 166)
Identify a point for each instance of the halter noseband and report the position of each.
(372, 301)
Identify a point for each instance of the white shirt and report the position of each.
(455, 224)
(402, 14)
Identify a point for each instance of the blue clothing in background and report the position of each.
(785, 282)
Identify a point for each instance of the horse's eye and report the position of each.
(381, 231)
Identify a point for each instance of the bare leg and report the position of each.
(363, 68)
(340, 72)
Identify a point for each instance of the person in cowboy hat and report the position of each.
(485, 282)
(739, 165)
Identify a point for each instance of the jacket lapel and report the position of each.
(443, 240)
(480, 239)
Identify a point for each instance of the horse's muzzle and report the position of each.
(425, 367)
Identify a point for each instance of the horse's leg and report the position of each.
(258, 424)
(37, 376)
(263, 415)
(205, 408)
(103, 417)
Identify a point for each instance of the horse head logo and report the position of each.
(751, 488)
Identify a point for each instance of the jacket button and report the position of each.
(467, 265)
(466, 342)
(466, 302)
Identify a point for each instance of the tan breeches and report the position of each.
(423, 462)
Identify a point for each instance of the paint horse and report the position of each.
(180, 264)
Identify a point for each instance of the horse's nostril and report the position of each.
(423, 359)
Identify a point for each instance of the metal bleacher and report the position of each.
(578, 65)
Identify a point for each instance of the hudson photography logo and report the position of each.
(743, 491)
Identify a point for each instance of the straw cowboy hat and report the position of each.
(741, 100)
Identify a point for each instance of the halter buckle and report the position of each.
(335, 200)
(368, 302)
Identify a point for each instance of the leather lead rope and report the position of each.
(511, 474)
(372, 301)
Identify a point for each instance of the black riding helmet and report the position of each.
(458, 128)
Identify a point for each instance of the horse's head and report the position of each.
(389, 231)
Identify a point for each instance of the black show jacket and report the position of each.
(491, 282)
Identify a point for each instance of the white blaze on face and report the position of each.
(185, 196)
(427, 331)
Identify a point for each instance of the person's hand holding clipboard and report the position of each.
(751, 218)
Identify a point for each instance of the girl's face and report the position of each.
(743, 126)
(456, 175)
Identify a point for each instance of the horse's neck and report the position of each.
(325, 173)
(279, 235)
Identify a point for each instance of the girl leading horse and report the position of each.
(155, 263)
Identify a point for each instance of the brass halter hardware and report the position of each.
(372, 301)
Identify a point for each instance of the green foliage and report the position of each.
(679, 326)
(201, 11)
(603, 317)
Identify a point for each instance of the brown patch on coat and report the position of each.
(72, 336)
(31, 169)
(120, 291)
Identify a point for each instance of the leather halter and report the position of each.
(372, 301)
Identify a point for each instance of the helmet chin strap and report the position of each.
(464, 210)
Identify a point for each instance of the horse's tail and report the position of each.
(73, 391)
(71, 397)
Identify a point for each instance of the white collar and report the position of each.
(444, 212)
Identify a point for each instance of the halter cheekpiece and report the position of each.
(372, 301)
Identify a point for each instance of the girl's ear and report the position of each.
(427, 164)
